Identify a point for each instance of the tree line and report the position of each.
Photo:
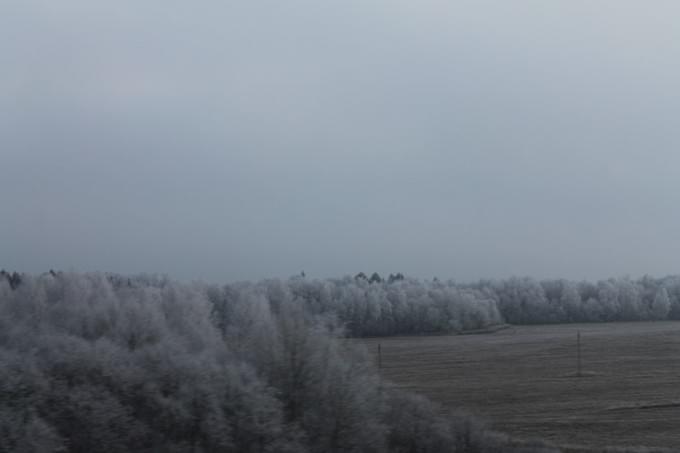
(397, 305)
(405, 306)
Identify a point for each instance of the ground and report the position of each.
(523, 380)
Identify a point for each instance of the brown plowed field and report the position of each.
(522, 380)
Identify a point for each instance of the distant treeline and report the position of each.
(373, 306)
(102, 363)
(404, 306)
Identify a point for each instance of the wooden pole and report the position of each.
(380, 381)
(578, 353)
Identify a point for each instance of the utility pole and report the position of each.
(578, 354)
(380, 380)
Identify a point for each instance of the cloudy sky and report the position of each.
(225, 140)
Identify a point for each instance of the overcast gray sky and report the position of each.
(237, 140)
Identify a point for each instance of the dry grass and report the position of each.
(523, 380)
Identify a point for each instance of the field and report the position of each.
(523, 381)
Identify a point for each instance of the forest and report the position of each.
(101, 362)
(405, 306)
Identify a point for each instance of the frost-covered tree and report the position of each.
(570, 300)
(661, 305)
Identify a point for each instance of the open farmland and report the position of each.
(522, 380)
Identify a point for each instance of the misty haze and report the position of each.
(357, 226)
